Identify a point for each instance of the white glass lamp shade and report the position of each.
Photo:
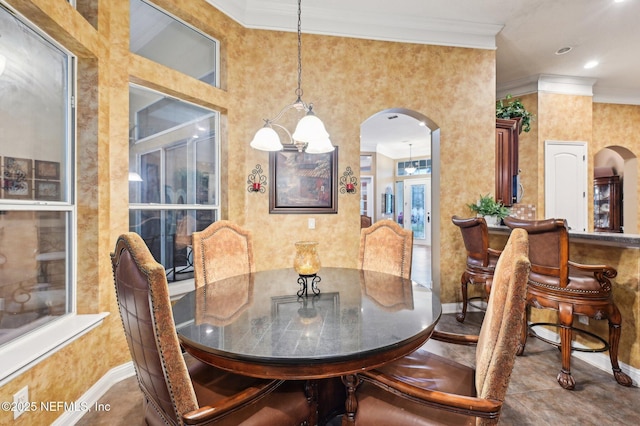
(266, 139)
(410, 170)
(319, 146)
(310, 128)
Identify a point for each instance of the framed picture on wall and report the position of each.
(47, 190)
(47, 170)
(303, 183)
(17, 176)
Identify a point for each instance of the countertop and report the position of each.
(600, 238)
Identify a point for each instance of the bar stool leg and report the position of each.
(615, 319)
(463, 284)
(565, 314)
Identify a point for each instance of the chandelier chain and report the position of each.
(299, 89)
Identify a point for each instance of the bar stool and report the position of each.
(557, 283)
(481, 260)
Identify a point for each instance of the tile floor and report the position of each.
(534, 397)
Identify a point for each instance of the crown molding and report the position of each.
(611, 95)
(567, 85)
(367, 24)
(547, 83)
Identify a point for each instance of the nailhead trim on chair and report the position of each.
(404, 243)
(149, 400)
(202, 250)
(402, 257)
(564, 289)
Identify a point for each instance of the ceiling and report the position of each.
(525, 33)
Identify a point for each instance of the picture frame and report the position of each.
(47, 190)
(17, 176)
(49, 170)
(302, 183)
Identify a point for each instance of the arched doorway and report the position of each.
(624, 163)
(390, 141)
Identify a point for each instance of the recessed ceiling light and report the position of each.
(591, 64)
(563, 50)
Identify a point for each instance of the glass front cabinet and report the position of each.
(607, 208)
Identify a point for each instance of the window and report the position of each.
(423, 167)
(173, 175)
(162, 38)
(37, 208)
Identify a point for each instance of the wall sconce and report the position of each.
(256, 180)
(348, 182)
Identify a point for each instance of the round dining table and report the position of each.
(256, 325)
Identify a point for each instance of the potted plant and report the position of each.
(492, 210)
(509, 109)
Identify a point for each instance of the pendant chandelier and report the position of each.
(310, 134)
(412, 168)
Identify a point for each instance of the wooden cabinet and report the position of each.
(607, 204)
(507, 134)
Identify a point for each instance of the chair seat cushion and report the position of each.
(579, 282)
(422, 369)
(379, 407)
(212, 384)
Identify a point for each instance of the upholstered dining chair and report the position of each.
(221, 250)
(386, 247)
(177, 388)
(425, 388)
(481, 259)
(569, 288)
(365, 221)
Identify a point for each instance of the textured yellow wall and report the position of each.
(619, 126)
(348, 80)
(562, 118)
(573, 118)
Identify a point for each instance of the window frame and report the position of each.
(163, 207)
(216, 70)
(28, 349)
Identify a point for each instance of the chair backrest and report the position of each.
(500, 331)
(145, 309)
(548, 246)
(185, 227)
(365, 221)
(386, 247)
(475, 235)
(222, 250)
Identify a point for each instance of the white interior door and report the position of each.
(565, 177)
(366, 196)
(417, 209)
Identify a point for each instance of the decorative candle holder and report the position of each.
(348, 182)
(307, 264)
(256, 180)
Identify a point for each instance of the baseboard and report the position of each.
(95, 392)
(597, 359)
